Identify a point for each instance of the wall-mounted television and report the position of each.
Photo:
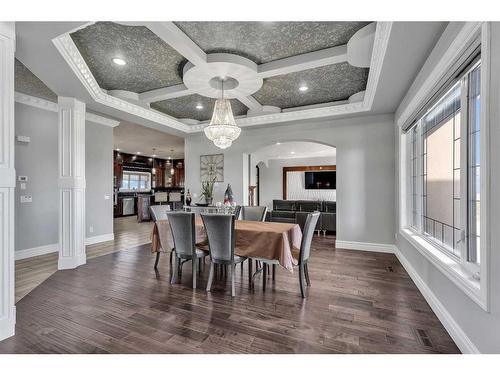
(321, 180)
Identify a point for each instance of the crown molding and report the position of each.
(73, 58)
(33, 101)
(47, 105)
(92, 117)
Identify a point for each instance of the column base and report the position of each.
(7, 326)
(69, 263)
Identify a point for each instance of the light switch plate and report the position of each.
(22, 185)
(26, 199)
(23, 138)
(106, 197)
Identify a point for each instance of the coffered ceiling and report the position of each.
(151, 63)
(170, 67)
(195, 106)
(325, 84)
(263, 42)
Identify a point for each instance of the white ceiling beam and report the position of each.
(164, 93)
(179, 41)
(316, 59)
(250, 102)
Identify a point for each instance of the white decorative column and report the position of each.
(71, 183)
(7, 180)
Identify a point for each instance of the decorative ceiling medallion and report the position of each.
(241, 77)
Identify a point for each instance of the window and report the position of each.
(444, 156)
(135, 181)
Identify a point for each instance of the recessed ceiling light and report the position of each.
(117, 149)
(292, 152)
(154, 155)
(119, 61)
(199, 106)
(138, 152)
(303, 88)
(278, 143)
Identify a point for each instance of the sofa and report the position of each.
(296, 211)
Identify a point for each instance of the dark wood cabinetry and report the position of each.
(161, 180)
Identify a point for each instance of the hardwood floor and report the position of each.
(31, 272)
(359, 302)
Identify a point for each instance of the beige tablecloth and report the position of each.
(273, 241)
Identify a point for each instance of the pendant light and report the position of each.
(172, 170)
(222, 130)
(153, 170)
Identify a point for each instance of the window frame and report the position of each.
(462, 275)
(140, 174)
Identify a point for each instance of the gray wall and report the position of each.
(365, 169)
(271, 176)
(37, 222)
(99, 177)
(481, 327)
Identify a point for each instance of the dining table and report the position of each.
(254, 239)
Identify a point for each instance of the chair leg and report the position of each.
(274, 271)
(195, 266)
(175, 272)
(242, 266)
(231, 271)
(250, 261)
(157, 259)
(301, 280)
(200, 265)
(210, 276)
(171, 254)
(264, 276)
(306, 269)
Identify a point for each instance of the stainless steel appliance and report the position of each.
(128, 206)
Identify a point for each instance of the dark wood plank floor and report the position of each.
(359, 302)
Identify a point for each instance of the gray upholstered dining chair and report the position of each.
(182, 226)
(221, 240)
(305, 250)
(159, 213)
(253, 213)
(236, 213)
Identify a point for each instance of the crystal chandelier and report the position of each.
(222, 130)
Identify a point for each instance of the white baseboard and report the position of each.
(463, 342)
(101, 238)
(54, 248)
(7, 326)
(365, 246)
(36, 251)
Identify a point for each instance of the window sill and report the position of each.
(452, 269)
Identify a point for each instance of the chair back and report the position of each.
(307, 235)
(237, 210)
(159, 212)
(253, 213)
(221, 238)
(182, 226)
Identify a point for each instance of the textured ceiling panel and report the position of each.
(267, 41)
(185, 107)
(28, 83)
(151, 63)
(326, 84)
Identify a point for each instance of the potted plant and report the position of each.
(207, 190)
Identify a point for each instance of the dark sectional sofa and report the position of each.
(296, 211)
